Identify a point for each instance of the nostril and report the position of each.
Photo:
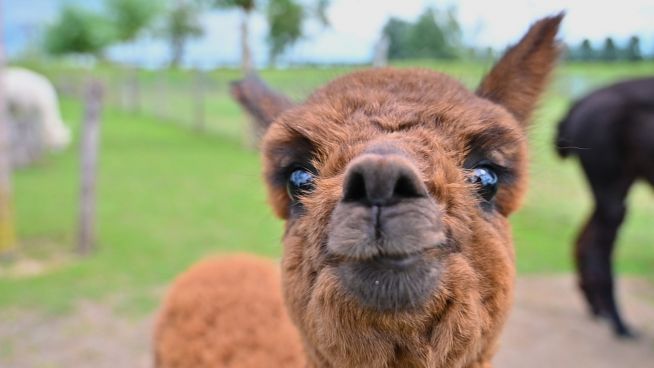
(408, 186)
(355, 188)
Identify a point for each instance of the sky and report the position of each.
(355, 26)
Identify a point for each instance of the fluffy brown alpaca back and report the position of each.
(227, 312)
(395, 186)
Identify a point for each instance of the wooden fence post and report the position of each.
(159, 101)
(134, 93)
(88, 155)
(7, 232)
(198, 101)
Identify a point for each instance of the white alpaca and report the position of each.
(32, 96)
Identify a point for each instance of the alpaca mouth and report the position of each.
(390, 283)
(398, 262)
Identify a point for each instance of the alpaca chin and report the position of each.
(390, 284)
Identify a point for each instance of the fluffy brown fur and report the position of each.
(227, 312)
(392, 258)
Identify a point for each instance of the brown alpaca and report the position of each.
(395, 186)
(227, 312)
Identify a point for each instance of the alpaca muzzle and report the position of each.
(385, 233)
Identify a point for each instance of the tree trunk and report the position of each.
(89, 153)
(177, 47)
(246, 55)
(7, 234)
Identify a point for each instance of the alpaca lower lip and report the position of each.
(400, 262)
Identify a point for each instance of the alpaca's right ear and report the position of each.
(520, 76)
(261, 102)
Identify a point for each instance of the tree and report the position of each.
(429, 39)
(609, 52)
(586, 52)
(7, 234)
(130, 17)
(433, 35)
(285, 22)
(633, 52)
(398, 33)
(452, 29)
(180, 24)
(246, 7)
(79, 31)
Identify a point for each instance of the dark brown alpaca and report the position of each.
(395, 186)
(612, 132)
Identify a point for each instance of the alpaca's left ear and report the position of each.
(521, 75)
(262, 103)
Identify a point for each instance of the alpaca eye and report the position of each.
(300, 181)
(486, 180)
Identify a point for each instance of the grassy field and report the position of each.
(169, 195)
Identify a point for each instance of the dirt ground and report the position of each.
(548, 327)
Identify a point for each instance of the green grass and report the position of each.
(168, 196)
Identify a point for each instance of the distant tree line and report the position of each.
(607, 51)
(434, 35)
(81, 31)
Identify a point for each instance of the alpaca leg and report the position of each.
(594, 251)
(595, 247)
(582, 249)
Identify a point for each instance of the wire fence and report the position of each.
(201, 101)
(196, 99)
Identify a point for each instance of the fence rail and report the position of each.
(197, 100)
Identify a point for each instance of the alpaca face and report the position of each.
(394, 232)
(396, 186)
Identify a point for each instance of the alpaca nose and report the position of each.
(381, 180)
